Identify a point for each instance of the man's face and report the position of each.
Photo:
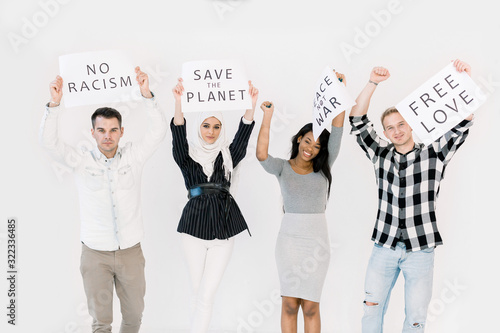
(107, 134)
(397, 130)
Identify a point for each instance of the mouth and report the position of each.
(306, 154)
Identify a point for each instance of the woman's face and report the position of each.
(308, 147)
(210, 129)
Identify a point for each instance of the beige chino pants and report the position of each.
(124, 269)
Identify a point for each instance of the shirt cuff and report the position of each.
(246, 122)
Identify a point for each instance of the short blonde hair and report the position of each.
(387, 112)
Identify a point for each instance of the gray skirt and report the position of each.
(303, 255)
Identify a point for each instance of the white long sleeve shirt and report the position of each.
(109, 188)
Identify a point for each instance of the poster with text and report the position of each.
(441, 103)
(98, 78)
(330, 98)
(215, 85)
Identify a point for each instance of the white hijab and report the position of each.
(205, 153)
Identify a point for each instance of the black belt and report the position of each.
(214, 188)
(207, 188)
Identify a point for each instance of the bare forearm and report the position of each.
(249, 113)
(263, 139)
(363, 100)
(338, 121)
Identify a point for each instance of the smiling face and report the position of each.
(210, 129)
(107, 134)
(397, 130)
(308, 147)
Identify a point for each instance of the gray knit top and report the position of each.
(304, 194)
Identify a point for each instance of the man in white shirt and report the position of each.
(108, 179)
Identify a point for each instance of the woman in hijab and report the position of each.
(211, 217)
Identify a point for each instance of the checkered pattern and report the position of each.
(408, 185)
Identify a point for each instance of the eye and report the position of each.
(217, 127)
(206, 126)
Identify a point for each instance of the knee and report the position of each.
(310, 309)
(290, 307)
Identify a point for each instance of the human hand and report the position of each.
(379, 74)
(143, 81)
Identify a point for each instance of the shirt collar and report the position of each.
(99, 156)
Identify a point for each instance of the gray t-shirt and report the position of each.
(304, 194)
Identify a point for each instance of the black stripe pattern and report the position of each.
(204, 216)
(408, 185)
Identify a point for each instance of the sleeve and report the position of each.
(157, 128)
(367, 138)
(447, 145)
(273, 165)
(238, 148)
(334, 144)
(49, 138)
(180, 146)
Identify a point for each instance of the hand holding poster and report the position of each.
(97, 78)
(330, 98)
(217, 85)
(441, 103)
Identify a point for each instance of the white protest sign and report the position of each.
(98, 78)
(214, 85)
(441, 103)
(330, 98)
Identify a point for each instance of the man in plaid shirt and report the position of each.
(405, 234)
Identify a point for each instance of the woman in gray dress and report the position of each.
(303, 246)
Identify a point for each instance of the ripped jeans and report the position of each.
(381, 275)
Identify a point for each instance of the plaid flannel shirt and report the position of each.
(408, 185)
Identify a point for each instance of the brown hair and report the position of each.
(387, 112)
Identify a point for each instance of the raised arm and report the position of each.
(49, 133)
(254, 94)
(338, 121)
(377, 75)
(157, 124)
(177, 91)
(462, 66)
(265, 128)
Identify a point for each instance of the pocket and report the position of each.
(125, 177)
(94, 178)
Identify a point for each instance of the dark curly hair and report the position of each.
(320, 162)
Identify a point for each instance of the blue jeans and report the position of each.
(381, 275)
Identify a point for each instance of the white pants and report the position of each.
(207, 260)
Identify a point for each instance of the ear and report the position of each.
(299, 138)
(92, 132)
(121, 131)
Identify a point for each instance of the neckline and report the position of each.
(300, 174)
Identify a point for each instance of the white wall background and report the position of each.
(285, 45)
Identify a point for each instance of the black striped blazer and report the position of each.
(204, 216)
